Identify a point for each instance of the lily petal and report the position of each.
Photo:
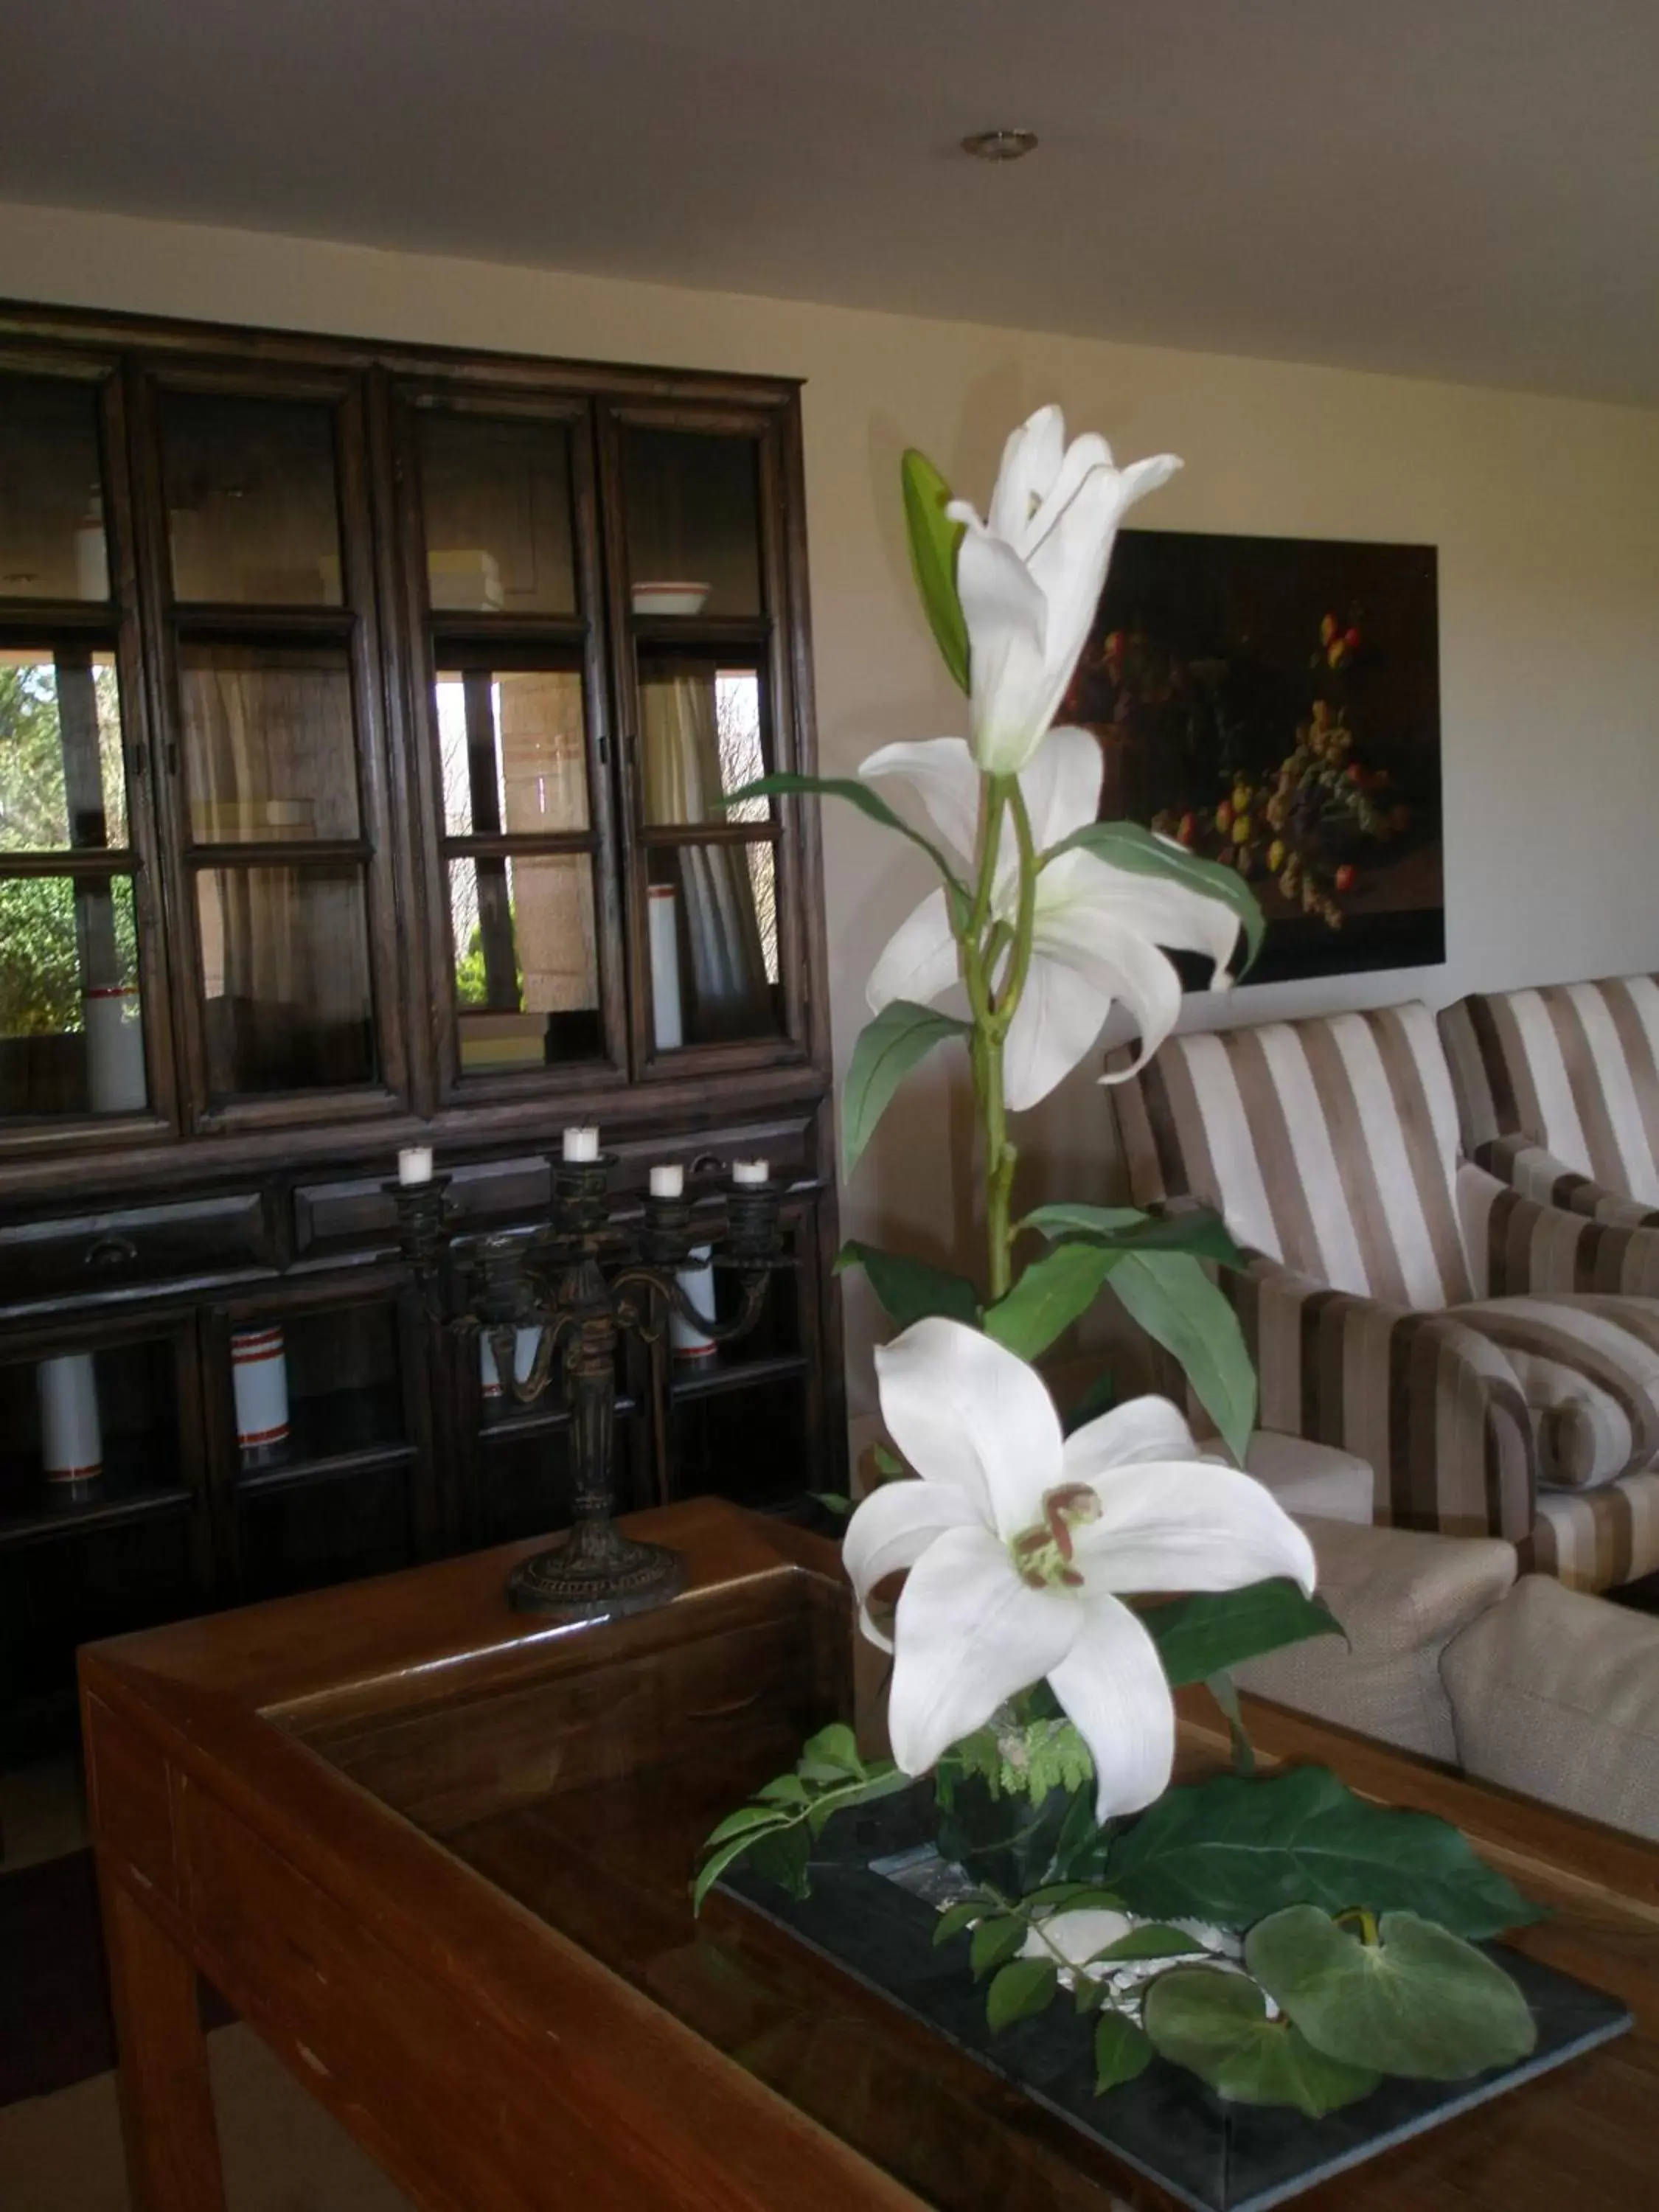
(965, 1411)
(1061, 785)
(1143, 1429)
(946, 780)
(1007, 618)
(1058, 1018)
(1114, 1688)
(1180, 920)
(920, 959)
(1188, 1525)
(970, 1634)
(889, 1531)
(1031, 459)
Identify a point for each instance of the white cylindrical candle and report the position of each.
(92, 556)
(667, 1008)
(115, 1050)
(668, 1182)
(696, 1279)
(525, 1343)
(748, 1171)
(259, 1375)
(581, 1144)
(71, 1441)
(415, 1163)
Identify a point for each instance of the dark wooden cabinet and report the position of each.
(368, 716)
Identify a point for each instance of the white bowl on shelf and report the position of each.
(671, 596)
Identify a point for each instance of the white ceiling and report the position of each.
(1457, 188)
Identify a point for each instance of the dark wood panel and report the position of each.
(91, 1255)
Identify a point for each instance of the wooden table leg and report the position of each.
(166, 2098)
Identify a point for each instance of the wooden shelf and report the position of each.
(335, 1466)
(717, 1376)
(121, 1495)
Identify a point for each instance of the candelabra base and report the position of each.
(596, 1574)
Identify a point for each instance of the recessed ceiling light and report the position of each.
(999, 145)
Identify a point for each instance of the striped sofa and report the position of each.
(1476, 1347)
(1558, 1089)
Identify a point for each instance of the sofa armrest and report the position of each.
(1540, 1176)
(1419, 1395)
(1519, 1248)
(1401, 1598)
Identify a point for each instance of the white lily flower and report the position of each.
(1096, 929)
(1019, 1543)
(1030, 577)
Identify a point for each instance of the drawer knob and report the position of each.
(109, 1252)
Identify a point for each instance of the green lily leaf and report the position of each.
(744, 1821)
(1420, 2002)
(1216, 2025)
(900, 1037)
(1019, 1991)
(934, 542)
(780, 1855)
(910, 1290)
(1072, 1897)
(1232, 1852)
(1142, 853)
(1122, 2051)
(1053, 1292)
(787, 1790)
(721, 1856)
(785, 783)
(994, 1942)
(1203, 1635)
(1180, 1308)
(1126, 1228)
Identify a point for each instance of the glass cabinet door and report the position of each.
(277, 783)
(72, 1038)
(710, 713)
(502, 589)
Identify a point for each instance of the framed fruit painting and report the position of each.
(1275, 704)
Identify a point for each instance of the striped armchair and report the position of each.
(1558, 1092)
(1473, 1346)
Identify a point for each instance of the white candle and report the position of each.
(748, 1171)
(415, 1163)
(668, 1182)
(581, 1144)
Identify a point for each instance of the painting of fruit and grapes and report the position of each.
(1275, 704)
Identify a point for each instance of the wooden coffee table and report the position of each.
(437, 1855)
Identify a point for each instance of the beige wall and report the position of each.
(1545, 514)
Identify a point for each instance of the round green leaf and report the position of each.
(1216, 2025)
(994, 1942)
(1420, 2002)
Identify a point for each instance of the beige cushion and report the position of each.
(1556, 1695)
(1308, 1477)
(1401, 1597)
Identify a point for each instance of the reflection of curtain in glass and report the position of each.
(283, 947)
(720, 933)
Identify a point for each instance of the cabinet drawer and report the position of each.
(89, 1255)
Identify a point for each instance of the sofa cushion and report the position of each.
(1556, 1695)
(1400, 1596)
(1574, 1067)
(1328, 1143)
(1308, 1477)
(1589, 1370)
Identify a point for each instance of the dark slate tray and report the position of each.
(1213, 2156)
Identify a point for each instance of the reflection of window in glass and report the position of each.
(62, 783)
(526, 964)
(738, 732)
(270, 747)
(51, 505)
(513, 752)
(285, 976)
(72, 1038)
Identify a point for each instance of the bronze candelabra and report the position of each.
(586, 1276)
